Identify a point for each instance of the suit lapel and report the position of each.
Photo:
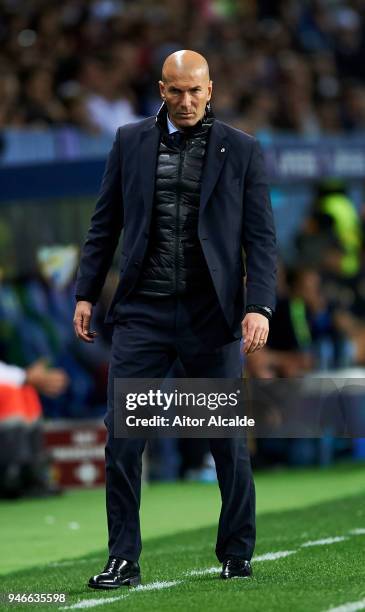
(147, 166)
(216, 154)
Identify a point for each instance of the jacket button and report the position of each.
(137, 263)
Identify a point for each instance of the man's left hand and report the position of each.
(255, 330)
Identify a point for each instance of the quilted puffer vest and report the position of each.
(174, 262)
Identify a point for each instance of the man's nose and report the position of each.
(186, 100)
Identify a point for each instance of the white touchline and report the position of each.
(272, 556)
(156, 585)
(324, 541)
(201, 572)
(357, 531)
(351, 606)
(92, 603)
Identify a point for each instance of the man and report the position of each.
(190, 192)
(24, 462)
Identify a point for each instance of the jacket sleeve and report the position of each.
(104, 232)
(258, 234)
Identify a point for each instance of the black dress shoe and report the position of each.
(235, 567)
(117, 572)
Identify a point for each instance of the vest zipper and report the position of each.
(177, 218)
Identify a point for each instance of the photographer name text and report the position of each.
(187, 421)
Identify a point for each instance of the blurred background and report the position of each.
(290, 72)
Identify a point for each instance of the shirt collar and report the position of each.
(171, 127)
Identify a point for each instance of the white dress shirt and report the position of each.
(171, 127)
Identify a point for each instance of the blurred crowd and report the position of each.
(285, 66)
(319, 321)
(318, 326)
(44, 371)
(289, 65)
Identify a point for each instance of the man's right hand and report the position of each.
(82, 320)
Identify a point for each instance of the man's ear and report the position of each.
(161, 85)
(210, 89)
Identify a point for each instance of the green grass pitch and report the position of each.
(316, 517)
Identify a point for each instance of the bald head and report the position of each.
(185, 87)
(184, 63)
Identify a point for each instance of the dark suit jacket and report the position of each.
(235, 212)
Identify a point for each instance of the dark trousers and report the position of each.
(148, 335)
